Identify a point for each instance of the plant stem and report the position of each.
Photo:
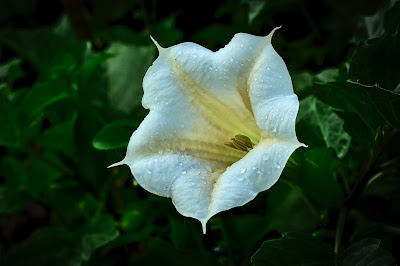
(340, 228)
(362, 180)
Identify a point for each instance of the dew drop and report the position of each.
(183, 172)
(243, 170)
(148, 171)
(240, 178)
(155, 160)
(265, 157)
(277, 166)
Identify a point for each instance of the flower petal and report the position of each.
(199, 100)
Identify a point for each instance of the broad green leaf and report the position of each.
(11, 71)
(52, 54)
(159, 251)
(294, 249)
(10, 129)
(42, 95)
(317, 177)
(14, 173)
(60, 137)
(377, 62)
(352, 103)
(46, 247)
(386, 102)
(125, 72)
(319, 125)
(114, 135)
(366, 252)
(100, 230)
(42, 175)
(289, 209)
(11, 200)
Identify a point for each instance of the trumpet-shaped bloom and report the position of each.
(221, 125)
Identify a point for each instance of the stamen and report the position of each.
(240, 142)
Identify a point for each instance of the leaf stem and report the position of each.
(362, 180)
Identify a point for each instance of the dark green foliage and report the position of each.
(70, 98)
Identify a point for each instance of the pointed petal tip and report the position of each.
(159, 48)
(116, 164)
(204, 229)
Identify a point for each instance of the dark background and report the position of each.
(70, 90)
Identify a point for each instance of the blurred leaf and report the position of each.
(52, 54)
(320, 126)
(366, 252)
(14, 173)
(11, 200)
(11, 71)
(42, 175)
(158, 248)
(60, 137)
(43, 95)
(317, 177)
(100, 230)
(115, 135)
(46, 247)
(294, 249)
(255, 7)
(10, 131)
(166, 32)
(289, 209)
(125, 72)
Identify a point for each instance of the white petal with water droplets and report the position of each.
(199, 100)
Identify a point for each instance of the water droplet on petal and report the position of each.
(148, 171)
(265, 157)
(155, 160)
(183, 172)
(243, 170)
(277, 166)
(240, 178)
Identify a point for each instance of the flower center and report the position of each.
(240, 142)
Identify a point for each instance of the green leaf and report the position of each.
(11, 71)
(317, 177)
(319, 125)
(294, 249)
(114, 135)
(46, 247)
(11, 200)
(159, 250)
(14, 173)
(255, 7)
(125, 72)
(366, 252)
(289, 209)
(43, 95)
(386, 102)
(60, 137)
(10, 130)
(100, 230)
(52, 54)
(352, 103)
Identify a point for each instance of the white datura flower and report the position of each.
(221, 125)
